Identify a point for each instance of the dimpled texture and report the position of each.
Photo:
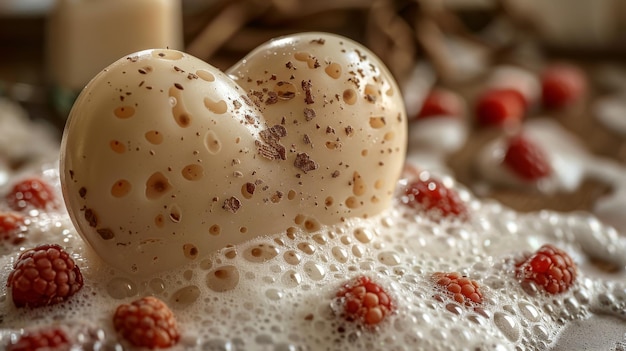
(147, 322)
(165, 159)
(365, 301)
(526, 159)
(44, 275)
(31, 193)
(39, 340)
(462, 289)
(550, 268)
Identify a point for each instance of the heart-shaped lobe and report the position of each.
(165, 158)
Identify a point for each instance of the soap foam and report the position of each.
(278, 292)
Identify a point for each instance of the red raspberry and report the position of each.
(562, 85)
(12, 227)
(431, 196)
(147, 322)
(526, 159)
(549, 267)
(460, 288)
(441, 102)
(31, 193)
(44, 339)
(365, 301)
(44, 275)
(498, 107)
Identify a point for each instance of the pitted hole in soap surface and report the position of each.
(121, 188)
(377, 122)
(105, 233)
(224, 278)
(212, 142)
(311, 225)
(299, 219)
(260, 253)
(352, 202)
(332, 145)
(329, 201)
(291, 194)
(218, 107)
(358, 184)
(176, 214)
(205, 75)
(379, 184)
(333, 70)
(247, 190)
(310, 60)
(371, 93)
(157, 185)
(124, 112)
(230, 252)
(159, 220)
(167, 54)
(193, 172)
(285, 90)
(215, 229)
(364, 152)
(179, 111)
(117, 146)
(190, 251)
(145, 70)
(349, 96)
(154, 137)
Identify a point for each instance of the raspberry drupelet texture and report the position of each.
(31, 193)
(526, 159)
(50, 339)
(550, 268)
(12, 228)
(365, 301)
(44, 275)
(462, 289)
(147, 322)
(432, 196)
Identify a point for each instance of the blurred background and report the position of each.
(50, 49)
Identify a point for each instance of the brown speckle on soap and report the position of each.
(232, 204)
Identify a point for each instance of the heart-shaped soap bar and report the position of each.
(165, 158)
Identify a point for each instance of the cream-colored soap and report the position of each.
(165, 158)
